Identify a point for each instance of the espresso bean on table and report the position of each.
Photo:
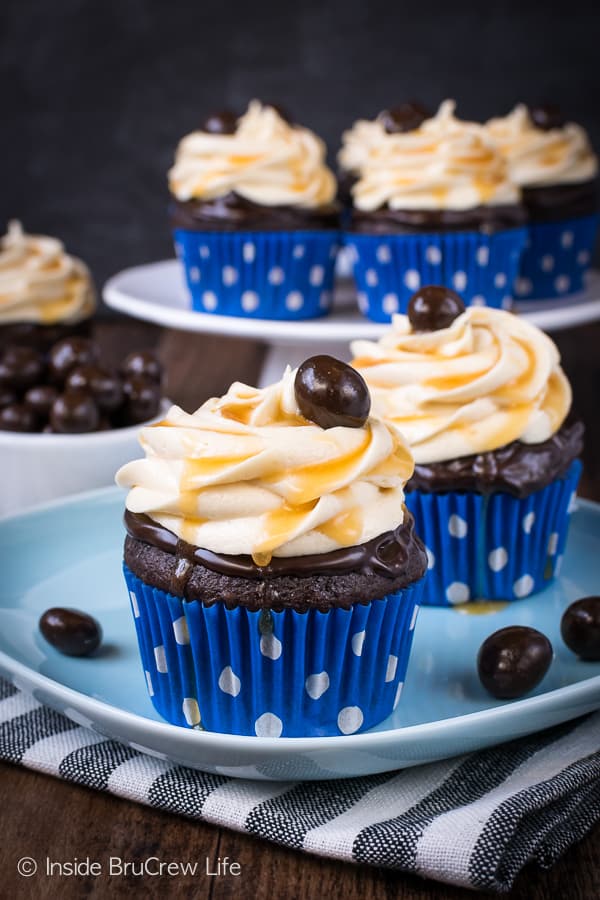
(580, 628)
(331, 393)
(512, 661)
(71, 631)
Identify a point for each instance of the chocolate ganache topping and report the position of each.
(518, 469)
(388, 554)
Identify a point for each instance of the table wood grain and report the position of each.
(43, 817)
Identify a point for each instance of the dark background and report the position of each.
(97, 94)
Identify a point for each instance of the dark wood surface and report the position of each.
(43, 817)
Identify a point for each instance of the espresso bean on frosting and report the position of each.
(434, 307)
(331, 394)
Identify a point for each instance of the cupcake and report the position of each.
(554, 164)
(481, 398)
(431, 204)
(272, 566)
(254, 216)
(45, 294)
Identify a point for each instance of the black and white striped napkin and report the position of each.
(474, 820)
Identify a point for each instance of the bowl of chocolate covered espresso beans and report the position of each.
(67, 421)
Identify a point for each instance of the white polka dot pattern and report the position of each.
(160, 659)
(358, 641)
(229, 682)
(458, 592)
(180, 630)
(528, 522)
(191, 711)
(317, 684)
(392, 665)
(433, 255)
(457, 526)
(268, 725)
(523, 586)
(270, 646)
(497, 559)
(350, 719)
(412, 280)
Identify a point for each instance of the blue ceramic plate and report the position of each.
(68, 553)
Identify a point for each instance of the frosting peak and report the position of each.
(266, 160)
(445, 163)
(488, 379)
(537, 157)
(40, 283)
(247, 474)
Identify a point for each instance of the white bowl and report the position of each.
(35, 468)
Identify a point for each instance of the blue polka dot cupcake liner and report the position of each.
(556, 259)
(273, 674)
(388, 269)
(493, 547)
(259, 275)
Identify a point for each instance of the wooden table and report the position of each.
(42, 816)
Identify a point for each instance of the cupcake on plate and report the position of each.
(554, 164)
(254, 216)
(431, 204)
(45, 294)
(481, 398)
(272, 566)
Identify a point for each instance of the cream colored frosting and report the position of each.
(488, 379)
(247, 474)
(266, 160)
(536, 157)
(40, 283)
(444, 164)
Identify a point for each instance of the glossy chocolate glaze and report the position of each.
(549, 204)
(518, 469)
(389, 554)
(487, 219)
(234, 213)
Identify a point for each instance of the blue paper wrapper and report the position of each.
(273, 674)
(388, 269)
(556, 259)
(260, 275)
(492, 547)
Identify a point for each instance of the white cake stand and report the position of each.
(157, 293)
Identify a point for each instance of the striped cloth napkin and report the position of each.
(475, 820)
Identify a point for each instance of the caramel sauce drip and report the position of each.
(278, 526)
(311, 482)
(345, 529)
(481, 607)
(204, 466)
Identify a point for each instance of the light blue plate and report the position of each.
(68, 553)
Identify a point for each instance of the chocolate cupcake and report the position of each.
(254, 216)
(554, 164)
(272, 566)
(45, 294)
(481, 398)
(432, 203)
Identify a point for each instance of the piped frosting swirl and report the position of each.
(446, 163)
(246, 474)
(40, 283)
(539, 158)
(488, 379)
(266, 161)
